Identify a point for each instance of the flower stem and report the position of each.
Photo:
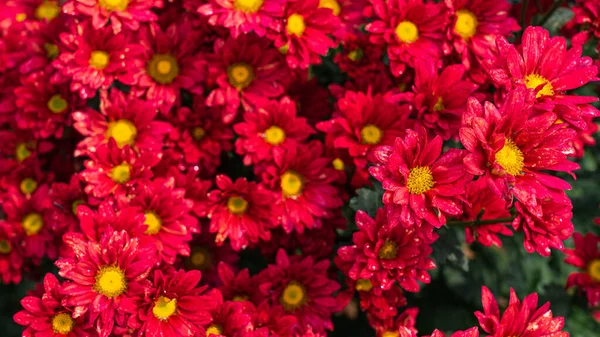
(547, 16)
(523, 11)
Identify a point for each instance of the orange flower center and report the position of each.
(389, 250)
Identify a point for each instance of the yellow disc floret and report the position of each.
(439, 105)
(237, 205)
(114, 5)
(99, 59)
(247, 6)
(57, 104)
(389, 250)
(5, 247)
(51, 50)
(371, 134)
(338, 164)
(407, 32)
(32, 223)
(594, 270)
(533, 81)
(420, 180)
(28, 186)
(291, 184)
(198, 133)
(164, 308)
(510, 158)
(466, 24)
(110, 281)
(390, 333)
(293, 296)
(274, 135)
(240, 75)
(62, 323)
(47, 11)
(214, 330)
(331, 4)
(296, 25)
(163, 68)
(122, 131)
(154, 223)
(22, 151)
(364, 285)
(121, 173)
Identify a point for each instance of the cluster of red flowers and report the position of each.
(119, 120)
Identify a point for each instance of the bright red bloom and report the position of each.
(125, 119)
(128, 13)
(359, 56)
(274, 321)
(11, 258)
(587, 14)
(303, 179)
(106, 277)
(175, 305)
(403, 325)
(229, 318)
(241, 211)
(472, 332)
(245, 16)
(273, 125)
(411, 29)
(108, 216)
(240, 287)
(247, 70)
(301, 286)
(420, 183)
(522, 319)
(384, 254)
(304, 39)
(46, 315)
(441, 100)
(585, 256)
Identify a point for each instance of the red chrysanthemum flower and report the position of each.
(383, 254)
(47, 316)
(11, 258)
(93, 224)
(304, 39)
(33, 14)
(441, 100)
(241, 211)
(106, 277)
(206, 255)
(586, 13)
(359, 56)
(245, 16)
(21, 148)
(350, 13)
(167, 217)
(127, 13)
(66, 199)
(401, 326)
(239, 287)
(175, 305)
(92, 59)
(411, 29)
(472, 332)
(127, 120)
(229, 318)
(420, 183)
(273, 125)
(544, 66)
(41, 45)
(585, 256)
(247, 71)
(304, 181)
(520, 319)
(301, 286)
(362, 122)
(273, 321)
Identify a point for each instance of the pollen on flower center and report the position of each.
(274, 135)
(356, 55)
(420, 180)
(163, 68)
(48, 10)
(99, 59)
(510, 158)
(164, 308)
(32, 223)
(371, 134)
(240, 298)
(390, 334)
(407, 32)
(296, 25)
(293, 296)
(110, 281)
(28, 186)
(121, 173)
(240, 75)
(62, 323)
(237, 205)
(389, 250)
(22, 152)
(20, 17)
(214, 330)
(154, 223)
(439, 105)
(594, 270)
(466, 24)
(533, 81)
(57, 104)
(247, 6)
(5, 247)
(331, 4)
(122, 131)
(51, 50)
(363, 285)
(114, 5)
(198, 133)
(291, 184)
(338, 164)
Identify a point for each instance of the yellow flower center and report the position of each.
(371, 134)
(420, 180)
(153, 222)
(390, 334)
(200, 258)
(122, 131)
(284, 49)
(338, 164)
(240, 298)
(407, 32)
(51, 50)
(121, 173)
(510, 158)
(114, 5)
(247, 6)
(237, 205)
(20, 17)
(532, 81)
(110, 281)
(363, 285)
(163, 68)
(293, 296)
(296, 25)
(466, 24)
(62, 323)
(48, 10)
(57, 104)
(76, 204)
(214, 330)
(356, 55)
(198, 133)
(240, 75)
(28, 186)
(5, 247)
(594, 270)
(32, 223)
(99, 59)
(331, 4)
(22, 152)
(164, 308)
(291, 184)
(439, 105)
(274, 135)
(389, 250)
